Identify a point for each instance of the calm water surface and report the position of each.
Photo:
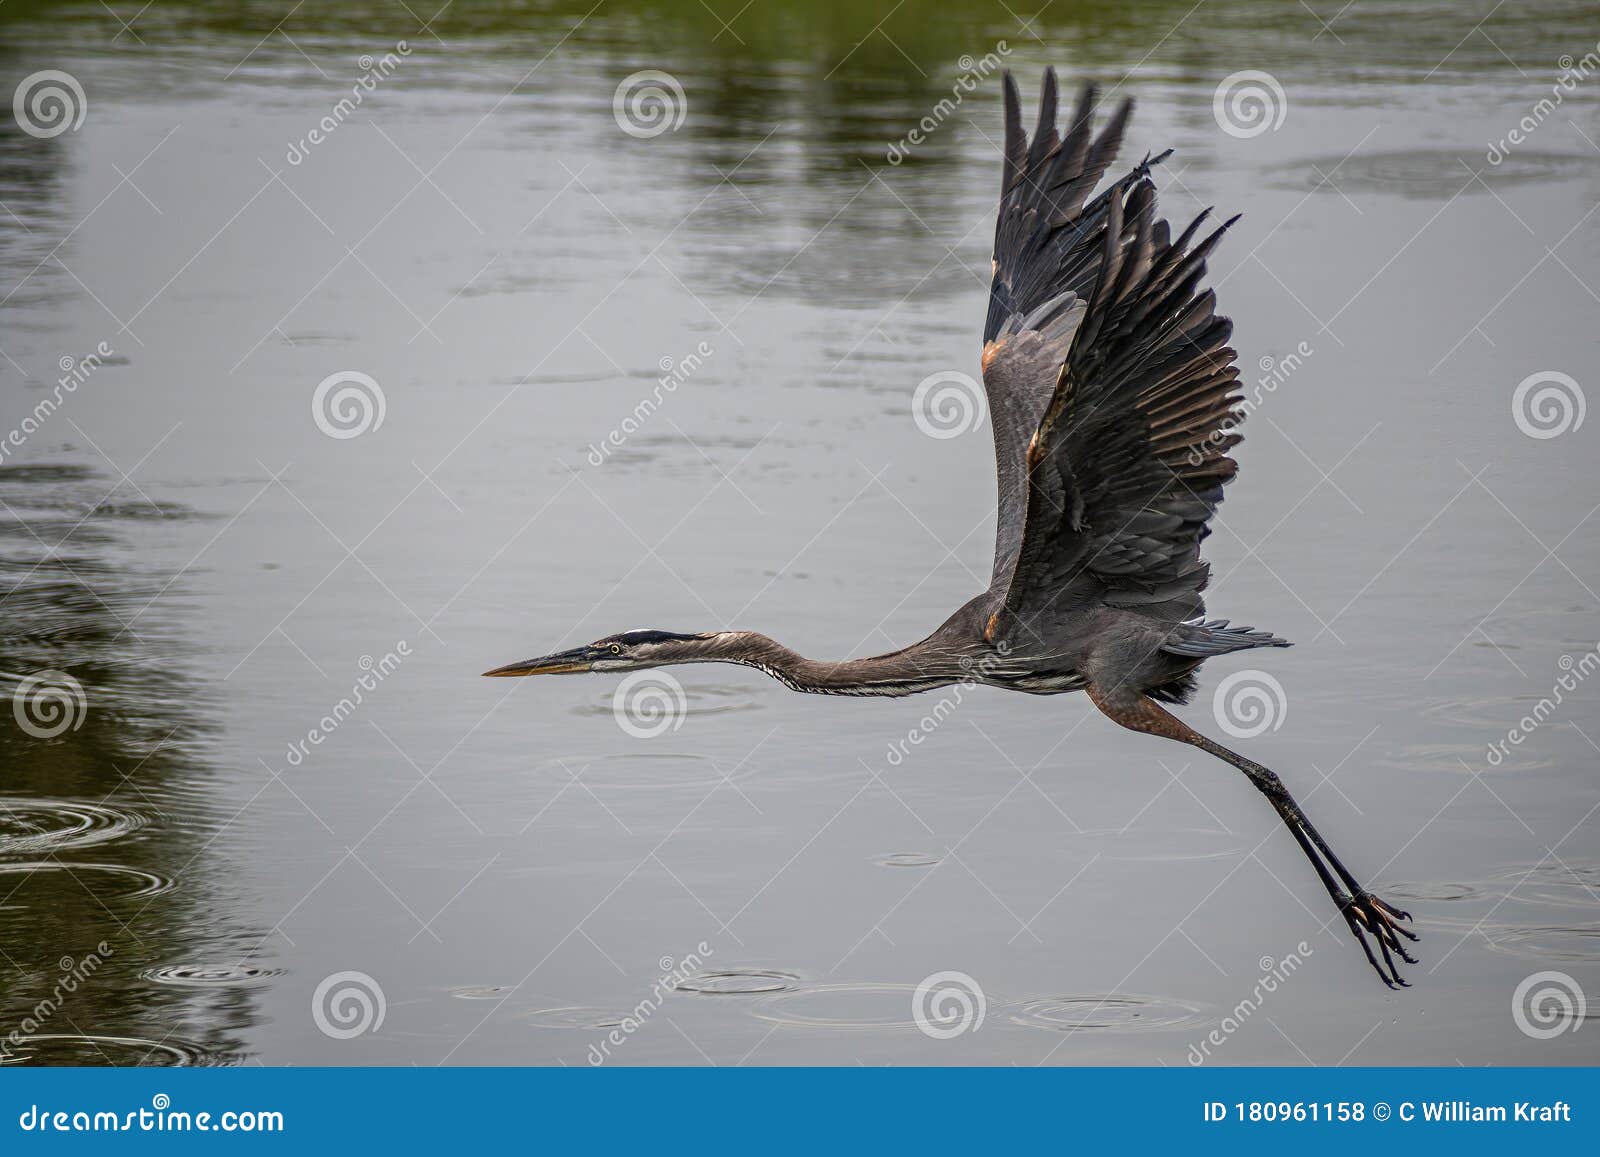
(214, 839)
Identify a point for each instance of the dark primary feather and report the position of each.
(1045, 264)
(1111, 381)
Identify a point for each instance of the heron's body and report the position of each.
(1113, 397)
(1158, 658)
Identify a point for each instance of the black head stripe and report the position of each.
(633, 638)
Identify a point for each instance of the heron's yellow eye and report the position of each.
(616, 648)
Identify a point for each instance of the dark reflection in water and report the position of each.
(796, 101)
(889, 39)
(105, 879)
(31, 191)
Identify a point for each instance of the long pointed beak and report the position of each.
(561, 663)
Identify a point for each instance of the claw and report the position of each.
(1395, 914)
(1365, 913)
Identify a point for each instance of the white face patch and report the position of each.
(612, 664)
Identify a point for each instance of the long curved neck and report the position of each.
(919, 667)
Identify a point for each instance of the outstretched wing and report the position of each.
(1126, 463)
(1043, 272)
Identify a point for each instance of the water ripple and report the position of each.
(1111, 1012)
(1428, 890)
(72, 1048)
(842, 1006)
(1428, 174)
(210, 975)
(738, 982)
(42, 826)
(576, 1016)
(906, 860)
(483, 991)
(1469, 710)
(1457, 758)
(699, 699)
(1551, 942)
(1570, 885)
(145, 883)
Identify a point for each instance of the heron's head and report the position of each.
(628, 651)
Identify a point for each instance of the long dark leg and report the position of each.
(1362, 911)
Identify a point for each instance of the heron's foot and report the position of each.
(1369, 916)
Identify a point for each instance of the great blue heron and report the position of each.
(1113, 395)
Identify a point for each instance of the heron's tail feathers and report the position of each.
(1204, 638)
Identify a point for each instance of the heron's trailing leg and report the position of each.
(1364, 912)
